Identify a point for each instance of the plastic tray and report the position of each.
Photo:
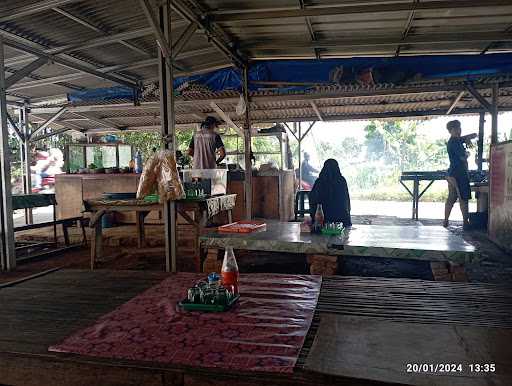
(243, 227)
(185, 305)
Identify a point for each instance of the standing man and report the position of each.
(205, 145)
(457, 176)
(308, 170)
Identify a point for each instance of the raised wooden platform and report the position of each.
(43, 311)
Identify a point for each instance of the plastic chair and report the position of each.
(301, 204)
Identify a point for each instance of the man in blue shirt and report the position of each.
(457, 176)
(308, 171)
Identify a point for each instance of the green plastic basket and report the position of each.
(332, 232)
(152, 198)
(187, 306)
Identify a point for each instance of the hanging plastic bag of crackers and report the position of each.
(169, 183)
(149, 177)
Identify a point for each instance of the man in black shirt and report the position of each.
(457, 176)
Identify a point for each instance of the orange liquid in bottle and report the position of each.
(230, 280)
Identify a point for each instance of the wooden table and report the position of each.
(196, 213)
(376, 319)
(425, 243)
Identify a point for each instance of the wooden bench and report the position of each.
(30, 201)
(66, 223)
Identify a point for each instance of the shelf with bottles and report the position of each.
(83, 157)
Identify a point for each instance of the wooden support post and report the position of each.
(96, 243)
(212, 262)
(141, 235)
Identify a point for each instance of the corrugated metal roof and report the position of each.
(114, 36)
(333, 103)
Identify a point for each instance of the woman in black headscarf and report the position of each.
(331, 190)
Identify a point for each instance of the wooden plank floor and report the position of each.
(43, 311)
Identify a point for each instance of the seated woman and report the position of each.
(331, 190)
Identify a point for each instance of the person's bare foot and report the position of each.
(445, 223)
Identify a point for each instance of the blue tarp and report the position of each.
(394, 70)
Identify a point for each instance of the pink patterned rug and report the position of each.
(264, 332)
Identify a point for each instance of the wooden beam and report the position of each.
(227, 118)
(454, 103)
(317, 111)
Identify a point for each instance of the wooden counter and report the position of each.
(72, 189)
(272, 196)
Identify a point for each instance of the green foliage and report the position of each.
(147, 141)
(142, 141)
(372, 165)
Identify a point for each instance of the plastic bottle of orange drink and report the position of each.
(229, 272)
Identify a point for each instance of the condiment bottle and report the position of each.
(229, 272)
(138, 162)
(319, 218)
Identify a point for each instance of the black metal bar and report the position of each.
(15, 127)
(7, 249)
(480, 151)
(424, 190)
(473, 91)
(407, 188)
(494, 112)
(54, 224)
(25, 71)
(415, 199)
